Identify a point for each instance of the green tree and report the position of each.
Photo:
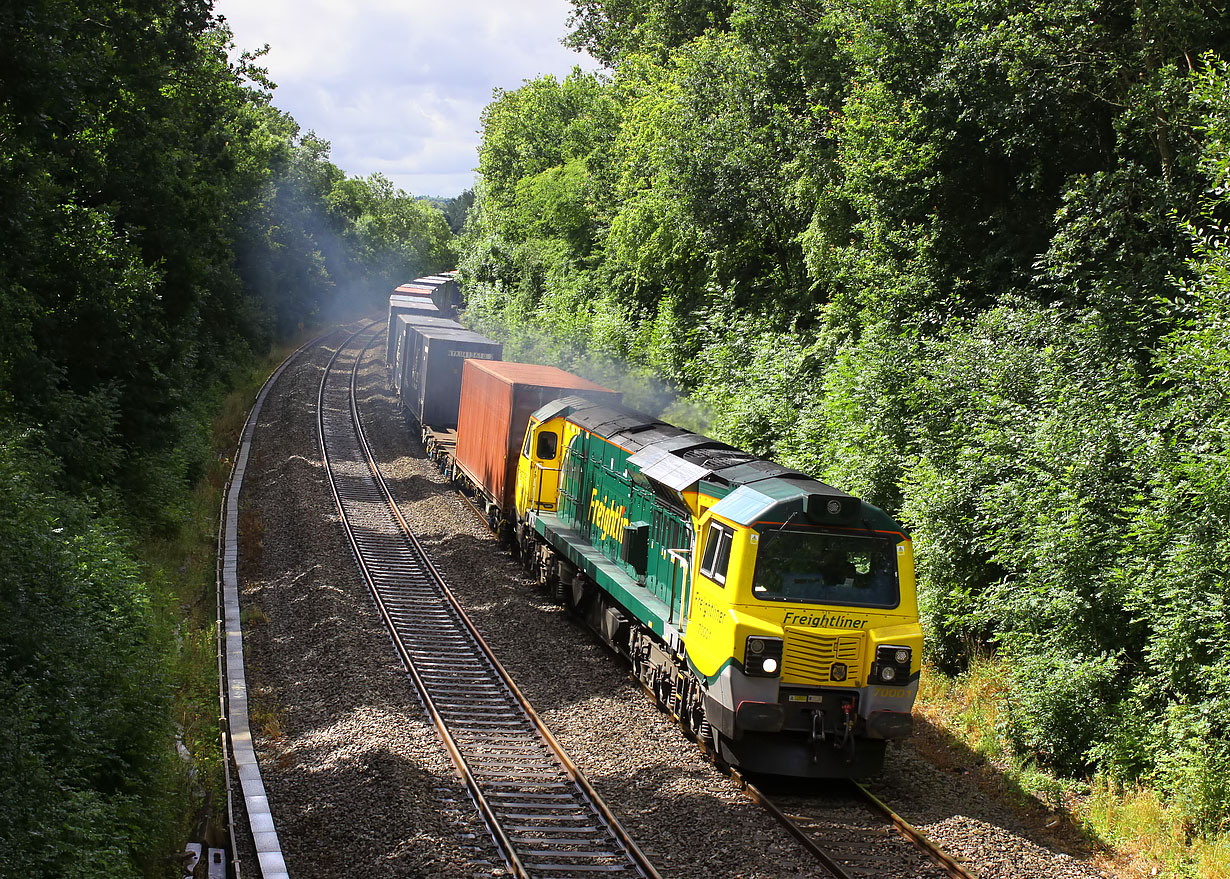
(613, 30)
(83, 689)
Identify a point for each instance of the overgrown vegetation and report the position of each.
(963, 258)
(162, 225)
(1147, 834)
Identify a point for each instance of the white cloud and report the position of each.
(397, 86)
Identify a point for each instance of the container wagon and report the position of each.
(430, 378)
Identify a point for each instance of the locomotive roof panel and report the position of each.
(691, 456)
(754, 471)
(562, 406)
(776, 500)
(744, 506)
(675, 473)
(715, 457)
(801, 502)
(645, 436)
(606, 420)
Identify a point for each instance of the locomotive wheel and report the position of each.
(662, 689)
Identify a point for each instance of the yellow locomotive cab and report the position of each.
(803, 625)
(538, 468)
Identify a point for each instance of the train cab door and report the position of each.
(715, 564)
(538, 470)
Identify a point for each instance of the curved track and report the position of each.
(543, 815)
(237, 735)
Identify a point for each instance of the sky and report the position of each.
(397, 86)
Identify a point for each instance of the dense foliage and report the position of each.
(962, 257)
(160, 222)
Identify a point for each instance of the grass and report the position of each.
(1147, 836)
(180, 566)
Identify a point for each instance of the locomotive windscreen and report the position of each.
(825, 568)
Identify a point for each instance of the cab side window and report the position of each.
(548, 445)
(717, 552)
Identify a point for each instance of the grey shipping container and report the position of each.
(430, 386)
(403, 340)
(406, 304)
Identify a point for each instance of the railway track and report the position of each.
(846, 828)
(854, 834)
(542, 814)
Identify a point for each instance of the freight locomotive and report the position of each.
(774, 615)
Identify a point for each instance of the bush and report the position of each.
(83, 697)
(1060, 704)
(1193, 762)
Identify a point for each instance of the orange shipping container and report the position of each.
(497, 399)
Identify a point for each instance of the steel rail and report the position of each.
(906, 830)
(472, 701)
(942, 859)
(757, 796)
(235, 732)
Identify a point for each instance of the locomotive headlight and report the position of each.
(892, 664)
(762, 657)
